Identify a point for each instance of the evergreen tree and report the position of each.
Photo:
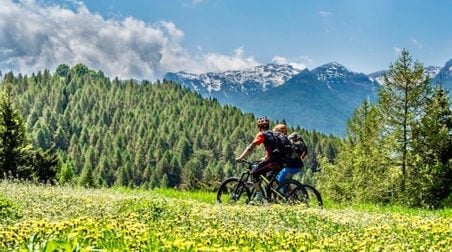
(402, 100)
(361, 172)
(66, 174)
(15, 147)
(164, 181)
(62, 70)
(433, 147)
(44, 164)
(87, 177)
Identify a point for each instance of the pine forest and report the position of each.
(133, 133)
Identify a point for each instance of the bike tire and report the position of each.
(290, 192)
(314, 197)
(233, 191)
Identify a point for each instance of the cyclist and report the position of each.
(271, 162)
(293, 162)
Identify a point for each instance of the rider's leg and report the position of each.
(255, 172)
(261, 169)
(282, 175)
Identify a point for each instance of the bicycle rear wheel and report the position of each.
(290, 192)
(314, 198)
(233, 191)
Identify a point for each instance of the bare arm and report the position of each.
(249, 149)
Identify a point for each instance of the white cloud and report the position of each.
(324, 13)
(301, 62)
(34, 36)
(397, 50)
(172, 29)
(325, 17)
(195, 2)
(416, 43)
(214, 62)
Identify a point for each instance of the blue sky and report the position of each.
(146, 38)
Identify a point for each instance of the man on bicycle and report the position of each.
(271, 162)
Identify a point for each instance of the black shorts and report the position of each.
(265, 167)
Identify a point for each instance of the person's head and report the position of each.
(263, 123)
(280, 128)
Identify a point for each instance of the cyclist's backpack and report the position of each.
(298, 144)
(279, 144)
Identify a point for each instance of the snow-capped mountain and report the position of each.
(336, 75)
(333, 72)
(432, 71)
(444, 77)
(378, 76)
(260, 78)
(322, 99)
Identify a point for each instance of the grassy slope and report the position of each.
(68, 218)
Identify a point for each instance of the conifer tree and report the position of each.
(87, 177)
(360, 172)
(66, 173)
(402, 101)
(15, 147)
(433, 147)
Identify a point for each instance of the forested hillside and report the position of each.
(124, 132)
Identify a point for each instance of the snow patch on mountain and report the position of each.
(271, 75)
(331, 71)
(431, 71)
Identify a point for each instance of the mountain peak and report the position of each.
(334, 65)
(333, 72)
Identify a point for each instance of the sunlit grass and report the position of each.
(77, 219)
(208, 197)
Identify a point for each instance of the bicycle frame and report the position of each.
(268, 186)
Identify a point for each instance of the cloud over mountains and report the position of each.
(34, 36)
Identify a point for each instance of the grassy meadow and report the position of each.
(64, 218)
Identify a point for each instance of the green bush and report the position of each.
(8, 210)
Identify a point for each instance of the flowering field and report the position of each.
(44, 218)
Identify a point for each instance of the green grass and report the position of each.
(391, 208)
(208, 197)
(63, 218)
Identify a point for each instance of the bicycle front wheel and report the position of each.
(233, 191)
(291, 192)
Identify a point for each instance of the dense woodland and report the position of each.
(108, 132)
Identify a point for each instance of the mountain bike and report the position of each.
(241, 190)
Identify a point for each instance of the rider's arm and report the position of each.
(249, 149)
(259, 139)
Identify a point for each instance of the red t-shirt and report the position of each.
(260, 139)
